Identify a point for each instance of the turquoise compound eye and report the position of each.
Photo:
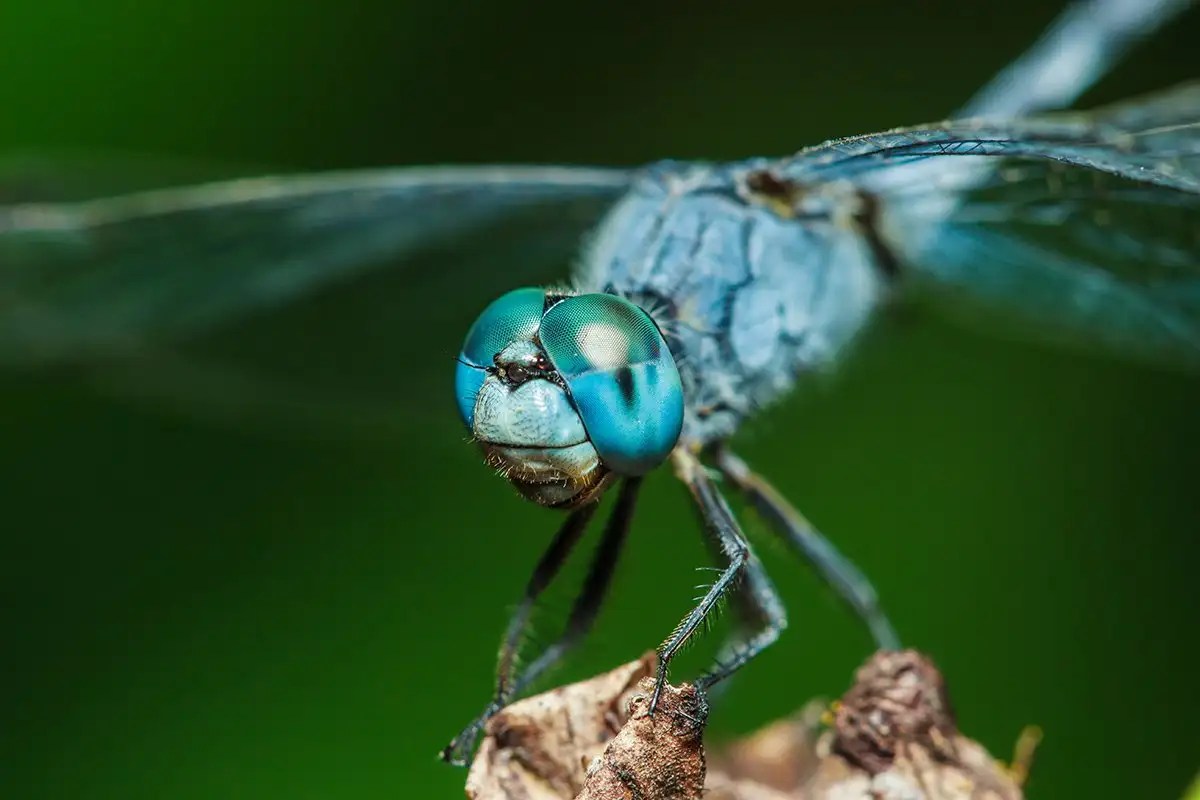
(512, 317)
(622, 378)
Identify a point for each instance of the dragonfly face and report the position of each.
(565, 391)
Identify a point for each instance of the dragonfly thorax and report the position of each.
(752, 297)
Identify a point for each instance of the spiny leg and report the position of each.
(759, 603)
(583, 614)
(761, 614)
(720, 524)
(835, 569)
(761, 618)
(547, 567)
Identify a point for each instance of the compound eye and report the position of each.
(622, 378)
(512, 317)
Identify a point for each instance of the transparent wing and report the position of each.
(114, 274)
(1086, 40)
(1153, 140)
(67, 175)
(1083, 227)
(330, 305)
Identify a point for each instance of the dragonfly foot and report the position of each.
(660, 680)
(460, 748)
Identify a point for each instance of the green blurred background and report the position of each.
(196, 609)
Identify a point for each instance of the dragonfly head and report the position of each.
(564, 391)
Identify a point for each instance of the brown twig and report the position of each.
(893, 735)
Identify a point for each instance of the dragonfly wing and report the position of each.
(1084, 42)
(105, 276)
(61, 176)
(1082, 227)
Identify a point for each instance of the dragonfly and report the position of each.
(703, 292)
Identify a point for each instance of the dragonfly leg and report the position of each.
(764, 620)
(761, 617)
(760, 596)
(834, 568)
(583, 612)
(547, 567)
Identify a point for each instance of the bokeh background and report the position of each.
(201, 607)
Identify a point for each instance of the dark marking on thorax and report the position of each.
(866, 218)
(783, 196)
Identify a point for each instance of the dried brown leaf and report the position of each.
(893, 737)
